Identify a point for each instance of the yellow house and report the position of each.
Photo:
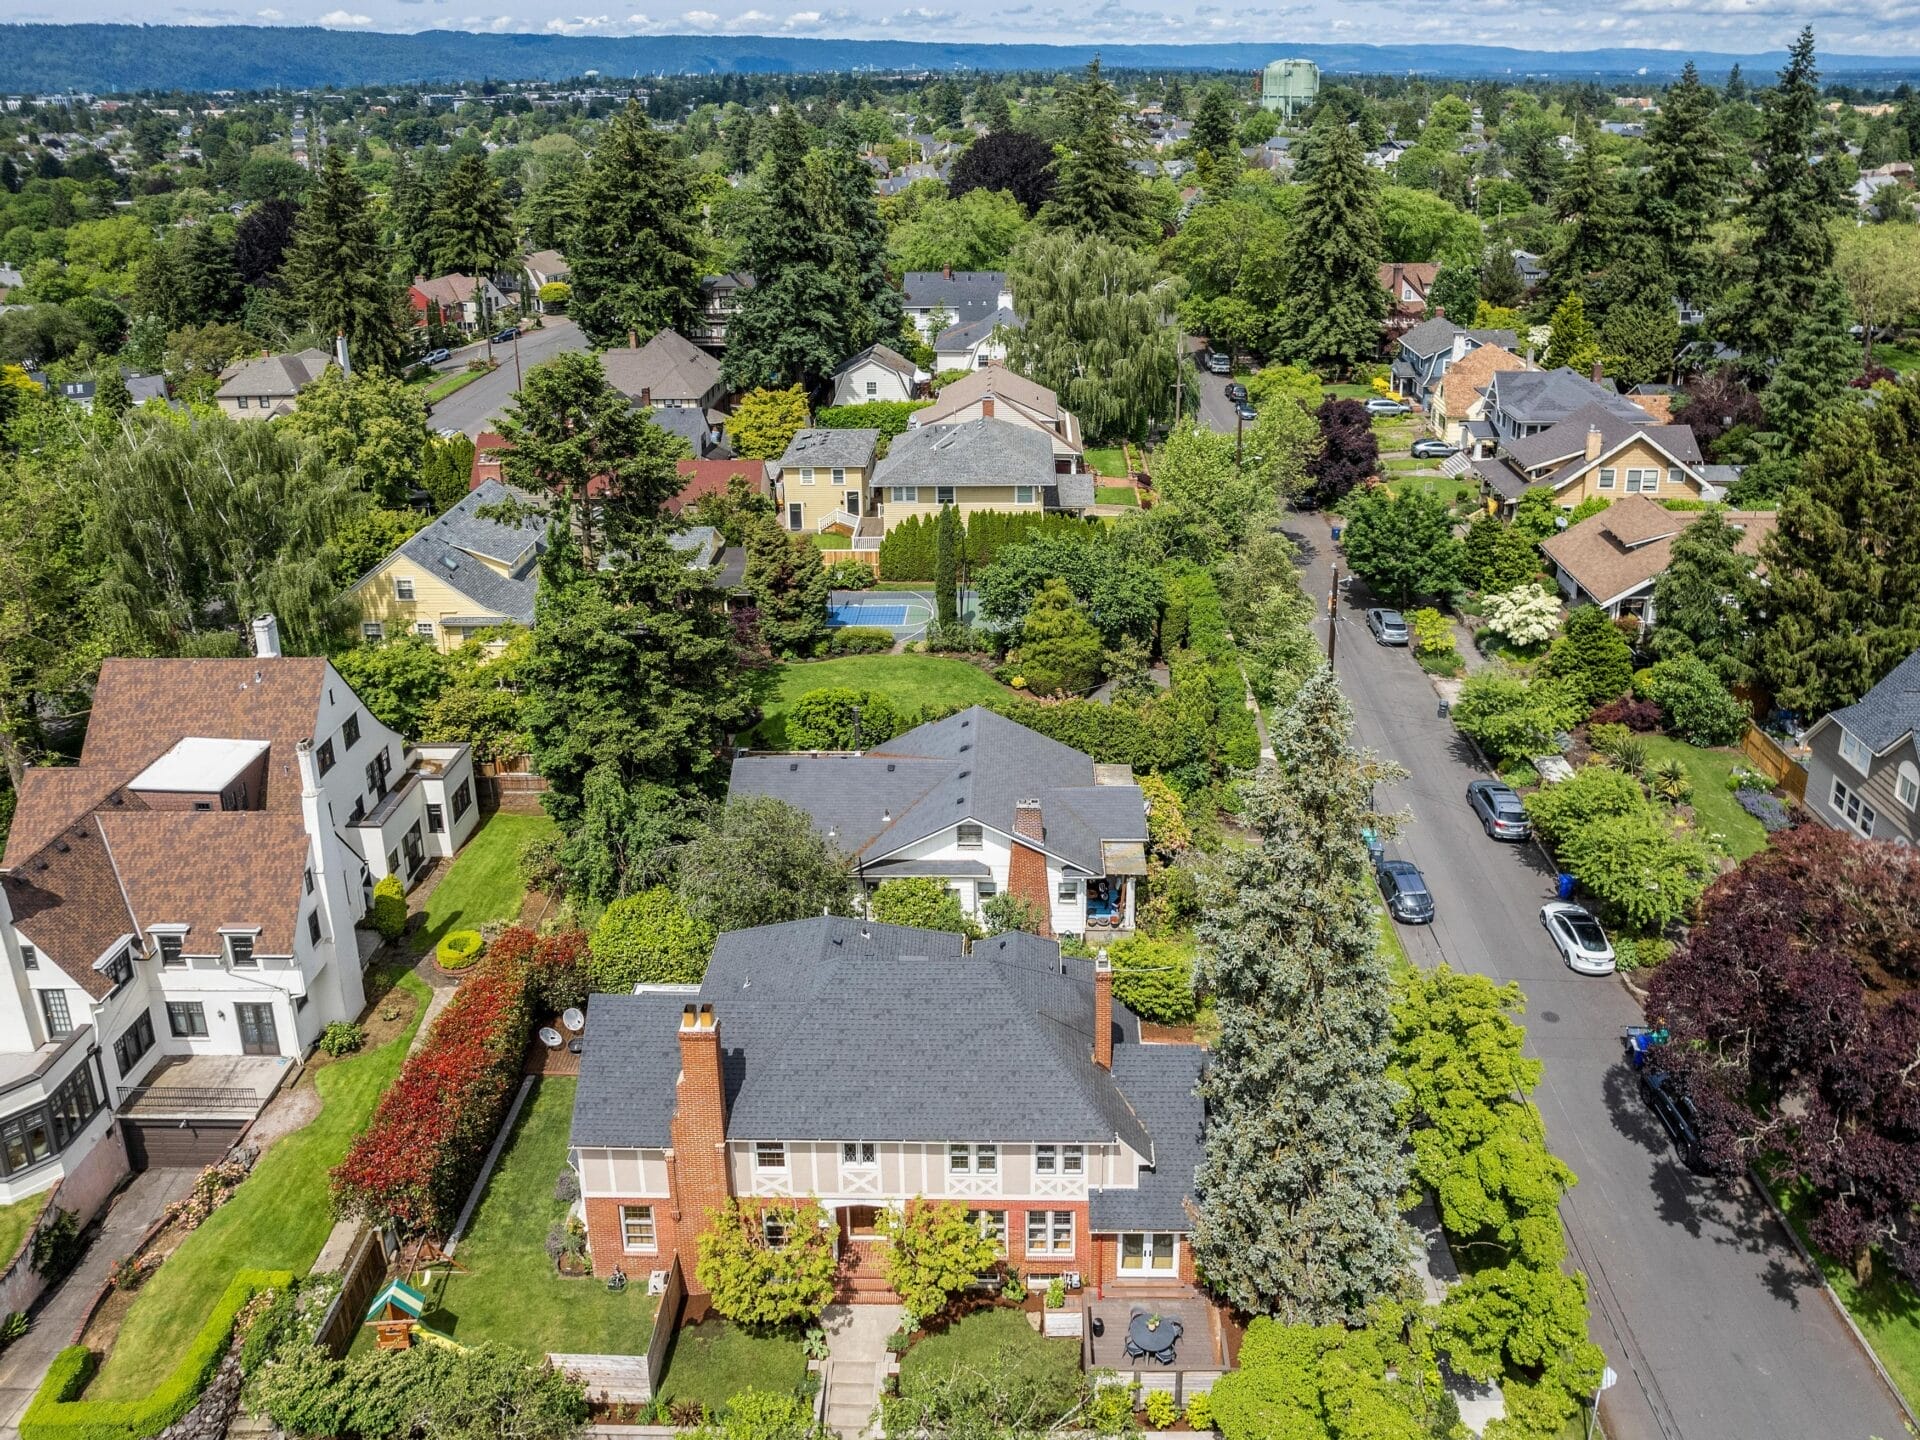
(981, 464)
(462, 573)
(822, 480)
(1599, 451)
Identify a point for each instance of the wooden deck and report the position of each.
(1205, 1351)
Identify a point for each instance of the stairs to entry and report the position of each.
(857, 1365)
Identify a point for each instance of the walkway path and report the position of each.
(857, 1364)
(24, 1363)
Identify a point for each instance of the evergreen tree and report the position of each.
(1638, 342)
(993, 109)
(1095, 190)
(111, 398)
(9, 175)
(1842, 603)
(1591, 657)
(946, 567)
(1175, 101)
(1060, 652)
(209, 282)
(1333, 302)
(1213, 128)
(791, 326)
(1789, 245)
(261, 239)
(634, 242)
(1682, 192)
(1701, 599)
(789, 588)
(842, 188)
(571, 430)
(472, 225)
(336, 272)
(1819, 362)
(1300, 1185)
(1587, 205)
(410, 204)
(1573, 342)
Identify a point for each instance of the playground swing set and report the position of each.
(396, 1309)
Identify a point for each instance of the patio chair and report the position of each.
(1134, 1351)
(1165, 1357)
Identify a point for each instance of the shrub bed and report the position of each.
(860, 640)
(417, 1159)
(56, 1414)
(458, 949)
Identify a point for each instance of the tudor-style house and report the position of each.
(1863, 762)
(983, 804)
(866, 1065)
(191, 887)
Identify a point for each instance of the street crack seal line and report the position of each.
(1630, 1353)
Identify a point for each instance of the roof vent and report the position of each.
(866, 932)
(890, 767)
(62, 846)
(963, 774)
(965, 722)
(886, 817)
(793, 765)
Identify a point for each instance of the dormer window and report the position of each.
(120, 968)
(169, 945)
(240, 951)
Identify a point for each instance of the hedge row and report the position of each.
(56, 1415)
(1196, 617)
(889, 417)
(416, 1161)
(908, 551)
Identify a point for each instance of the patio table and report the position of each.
(1144, 1339)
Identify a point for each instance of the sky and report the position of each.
(1862, 27)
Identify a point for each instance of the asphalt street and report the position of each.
(1717, 1329)
(469, 408)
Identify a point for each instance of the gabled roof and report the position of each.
(667, 367)
(969, 333)
(832, 1027)
(1430, 337)
(975, 766)
(967, 454)
(1568, 441)
(880, 355)
(1629, 545)
(456, 546)
(993, 381)
(851, 449)
(1889, 712)
(1545, 397)
(1460, 387)
(963, 294)
(446, 289)
(274, 375)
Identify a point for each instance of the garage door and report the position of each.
(178, 1142)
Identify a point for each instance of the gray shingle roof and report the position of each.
(965, 294)
(975, 765)
(852, 449)
(667, 367)
(1545, 397)
(968, 333)
(1160, 1081)
(1616, 426)
(1430, 337)
(274, 375)
(833, 1028)
(1890, 711)
(969, 453)
(447, 547)
(1070, 492)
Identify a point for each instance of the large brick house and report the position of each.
(866, 1065)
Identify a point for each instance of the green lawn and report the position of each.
(1887, 1312)
(1107, 461)
(444, 385)
(277, 1220)
(1000, 1342)
(16, 1219)
(1115, 495)
(716, 1360)
(1351, 392)
(511, 1293)
(911, 682)
(830, 540)
(1901, 358)
(484, 883)
(1715, 808)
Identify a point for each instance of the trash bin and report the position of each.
(1336, 534)
(1565, 888)
(1446, 709)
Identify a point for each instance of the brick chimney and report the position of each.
(986, 407)
(1027, 870)
(1439, 312)
(633, 339)
(947, 271)
(1597, 376)
(646, 395)
(699, 1178)
(1103, 1010)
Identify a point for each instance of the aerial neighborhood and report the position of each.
(795, 751)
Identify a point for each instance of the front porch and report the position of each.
(1206, 1347)
(205, 1087)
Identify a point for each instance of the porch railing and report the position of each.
(198, 1098)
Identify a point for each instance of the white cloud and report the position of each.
(750, 20)
(269, 15)
(344, 20)
(701, 19)
(578, 25)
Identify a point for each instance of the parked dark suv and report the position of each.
(1667, 1097)
(1501, 814)
(1236, 392)
(1405, 890)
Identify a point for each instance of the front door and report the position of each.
(257, 1033)
(853, 502)
(416, 851)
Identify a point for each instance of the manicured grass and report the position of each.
(829, 540)
(445, 385)
(16, 1219)
(1900, 358)
(999, 1342)
(1716, 810)
(277, 1220)
(1107, 460)
(1351, 392)
(911, 682)
(1444, 488)
(510, 1292)
(716, 1360)
(1115, 495)
(484, 883)
(1887, 1312)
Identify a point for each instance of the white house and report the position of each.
(876, 373)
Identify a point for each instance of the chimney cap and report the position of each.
(1101, 963)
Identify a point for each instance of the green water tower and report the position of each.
(1289, 86)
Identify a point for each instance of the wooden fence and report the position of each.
(366, 1267)
(1773, 762)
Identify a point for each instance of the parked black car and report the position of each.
(1405, 891)
(505, 337)
(1236, 392)
(1501, 814)
(1666, 1095)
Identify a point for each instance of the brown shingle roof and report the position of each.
(1660, 407)
(52, 796)
(667, 367)
(1630, 543)
(1468, 375)
(247, 870)
(67, 901)
(995, 380)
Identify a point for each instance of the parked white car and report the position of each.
(1578, 937)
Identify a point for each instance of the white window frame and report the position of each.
(1067, 892)
(372, 630)
(858, 1155)
(1046, 1159)
(1044, 1233)
(638, 1219)
(175, 933)
(1023, 494)
(1906, 785)
(1146, 1262)
(1854, 750)
(969, 835)
(423, 628)
(873, 387)
(1607, 476)
(1642, 481)
(839, 475)
(944, 495)
(403, 588)
(969, 1159)
(770, 1155)
(904, 494)
(1073, 1159)
(1852, 807)
(252, 937)
(806, 474)
(992, 1225)
(776, 1228)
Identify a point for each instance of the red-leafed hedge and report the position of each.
(416, 1161)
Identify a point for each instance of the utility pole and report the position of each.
(516, 359)
(1333, 628)
(1239, 435)
(1179, 368)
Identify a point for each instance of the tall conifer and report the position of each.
(1333, 300)
(336, 271)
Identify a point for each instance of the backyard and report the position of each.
(1716, 808)
(997, 1343)
(1107, 460)
(508, 1290)
(714, 1361)
(911, 682)
(277, 1220)
(484, 883)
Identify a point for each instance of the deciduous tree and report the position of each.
(771, 1265)
(758, 862)
(1403, 548)
(1016, 161)
(649, 939)
(935, 1249)
(1349, 452)
(919, 901)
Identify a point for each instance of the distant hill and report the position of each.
(37, 59)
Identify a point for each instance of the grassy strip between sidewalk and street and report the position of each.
(434, 391)
(278, 1219)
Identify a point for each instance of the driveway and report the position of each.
(1216, 411)
(1716, 1328)
(469, 409)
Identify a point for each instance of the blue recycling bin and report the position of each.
(1565, 887)
(1336, 534)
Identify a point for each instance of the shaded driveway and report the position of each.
(1717, 1329)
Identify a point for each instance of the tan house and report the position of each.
(980, 464)
(994, 392)
(1460, 416)
(542, 267)
(261, 389)
(668, 372)
(1601, 451)
(821, 480)
(1614, 558)
(459, 575)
